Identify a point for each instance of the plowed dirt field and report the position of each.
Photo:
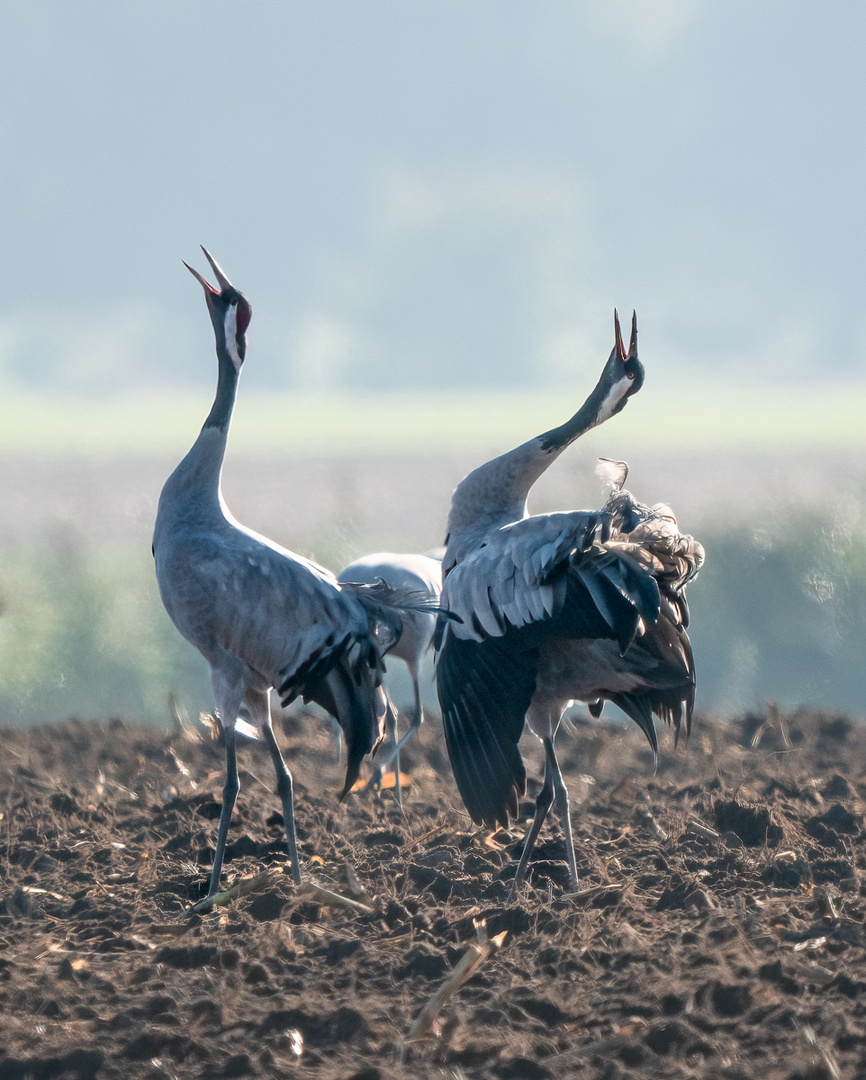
(718, 931)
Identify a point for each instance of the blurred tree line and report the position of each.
(778, 614)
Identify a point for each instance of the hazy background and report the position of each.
(433, 208)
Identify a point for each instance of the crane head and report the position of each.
(623, 373)
(230, 311)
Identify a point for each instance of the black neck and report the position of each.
(558, 438)
(226, 391)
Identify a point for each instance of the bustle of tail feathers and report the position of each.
(380, 597)
(385, 607)
(351, 691)
(651, 537)
(649, 534)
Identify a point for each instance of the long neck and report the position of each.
(495, 493)
(224, 401)
(198, 474)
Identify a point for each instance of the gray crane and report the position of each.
(263, 617)
(420, 574)
(586, 606)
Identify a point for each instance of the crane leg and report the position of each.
(229, 687)
(285, 790)
(542, 805)
(394, 753)
(563, 807)
(417, 717)
(552, 790)
(230, 794)
(398, 787)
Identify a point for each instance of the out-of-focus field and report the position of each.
(703, 416)
(338, 505)
(341, 474)
(774, 485)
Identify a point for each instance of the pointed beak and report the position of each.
(215, 266)
(632, 345)
(618, 345)
(217, 269)
(208, 288)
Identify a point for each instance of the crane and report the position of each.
(262, 616)
(552, 608)
(407, 573)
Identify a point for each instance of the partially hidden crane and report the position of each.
(263, 617)
(586, 606)
(406, 573)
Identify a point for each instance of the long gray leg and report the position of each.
(542, 805)
(394, 753)
(551, 767)
(417, 712)
(230, 794)
(285, 786)
(228, 687)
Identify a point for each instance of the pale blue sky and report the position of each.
(442, 193)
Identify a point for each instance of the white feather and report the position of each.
(612, 474)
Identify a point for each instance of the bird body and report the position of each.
(261, 616)
(585, 605)
(231, 591)
(407, 573)
(419, 573)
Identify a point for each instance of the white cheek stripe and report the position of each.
(231, 332)
(617, 393)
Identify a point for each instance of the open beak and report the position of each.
(618, 345)
(215, 266)
(632, 345)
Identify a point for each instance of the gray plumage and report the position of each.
(422, 575)
(557, 607)
(261, 616)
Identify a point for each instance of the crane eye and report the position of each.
(630, 376)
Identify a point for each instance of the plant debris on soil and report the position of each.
(718, 929)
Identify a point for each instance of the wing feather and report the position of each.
(538, 600)
(484, 692)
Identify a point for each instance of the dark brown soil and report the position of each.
(719, 931)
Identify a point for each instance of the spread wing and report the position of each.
(485, 688)
(543, 579)
(556, 571)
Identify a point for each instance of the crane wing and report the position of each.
(281, 615)
(350, 690)
(542, 578)
(556, 570)
(485, 688)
